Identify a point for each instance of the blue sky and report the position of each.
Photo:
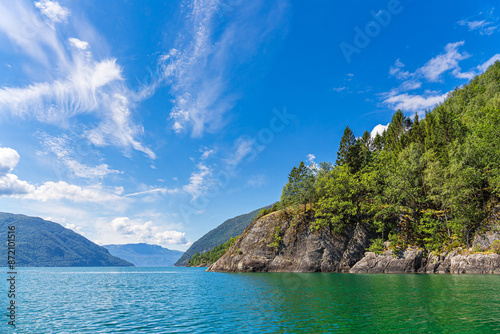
(136, 121)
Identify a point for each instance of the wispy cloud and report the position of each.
(63, 150)
(485, 23)
(198, 181)
(162, 191)
(79, 83)
(243, 147)
(414, 103)
(431, 72)
(199, 68)
(444, 62)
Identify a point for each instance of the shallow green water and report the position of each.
(189, 300)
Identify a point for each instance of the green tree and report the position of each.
(300, 187)
(349, 153)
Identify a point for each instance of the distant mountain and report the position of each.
(144, 255)
(42, 243)
(219, 235)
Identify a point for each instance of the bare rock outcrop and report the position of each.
(417, 262)
(281, 243)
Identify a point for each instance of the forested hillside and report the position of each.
(42, 243)
(429, 180)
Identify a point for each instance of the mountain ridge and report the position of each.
(43, 243)
(145, 255)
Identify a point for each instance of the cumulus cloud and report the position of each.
(9, 159)
(10, 185)
(378, 129)
(138, 231)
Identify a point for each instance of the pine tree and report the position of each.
(349, 153)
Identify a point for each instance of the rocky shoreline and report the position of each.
(416, 262)
(281, 243)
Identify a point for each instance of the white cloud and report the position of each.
(444, 62)
(62, 190)
(378, 129)
(81, 45)
(199, 68)
(118, 128)
(53, 10)
(75, 83)
(133, 231)
(243, 147)
(10, 185)
(399, 98)
(311, 157)
(339, 89)
(484, 26)
(396, 71)
(414, 103)
(162, 191)
(198, 181)
(206, 153)
(9, 159)
(73, 227)
(484, 66)
(65, 153)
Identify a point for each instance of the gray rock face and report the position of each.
(300, 250)
(415, 262)
(281, 243)
(409, 262)
(484, 239)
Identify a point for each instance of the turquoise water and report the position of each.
(190, 300)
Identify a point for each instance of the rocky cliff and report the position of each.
(284, 243)
(416, 262)
(281, 243)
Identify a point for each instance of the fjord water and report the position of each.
(190, 300)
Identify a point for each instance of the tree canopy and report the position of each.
(428, 180)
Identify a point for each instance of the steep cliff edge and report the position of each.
(280, 243)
